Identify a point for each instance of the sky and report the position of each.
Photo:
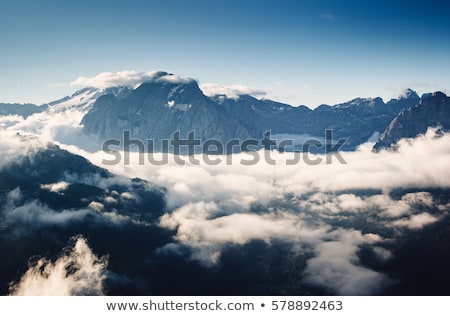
(298, 52)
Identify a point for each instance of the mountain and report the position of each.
(23, 110)
(48, 195)
(62, 180)
(160, 107)
(406, 99)
(167, 103)
(432, 111)
(356, 120)
(83, 99)
(259, 116)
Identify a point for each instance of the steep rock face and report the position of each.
(406, 99)
(432, 111)
(355, 120)
(259, 116)
(160, 107)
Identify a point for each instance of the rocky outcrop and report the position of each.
(431, 111)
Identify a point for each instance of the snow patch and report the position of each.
(55, 187)
(173, 91)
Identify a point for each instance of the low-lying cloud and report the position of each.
(78, 271)
(213, 206)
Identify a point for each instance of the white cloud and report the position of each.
(78, 271)
(337, 267)
(127, 78)
(27, 218)
(203, 227)
(195, 222)
(233, 91)
(211, 205)
(96, 206)
(383, 254)
(15, 146)
(34, 215)
(416, 221)
(9, 120)
(56, 187)
(60, 123)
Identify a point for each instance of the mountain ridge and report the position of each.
(431, 111)
(164, 105)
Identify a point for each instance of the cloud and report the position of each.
(127, 78)
(336, 266)
(25, 217)
(15, 146)
(311, 207)
(78, 271)
(96, 206)
(59, 124)
(33, 215)
(196, 222)
(233, 92)
(318, 209)
(56, 187)
(9, 120)
(416, 221)
(240, 185)
(206, 230)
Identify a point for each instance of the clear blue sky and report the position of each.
(301, 52)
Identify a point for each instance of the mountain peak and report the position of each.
(433, 111)
(166, 77)
(439, 95)
(408, 94)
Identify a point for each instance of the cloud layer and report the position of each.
(78, 271)
(317, 208)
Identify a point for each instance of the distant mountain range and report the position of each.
(167, 103)
(158, 108)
